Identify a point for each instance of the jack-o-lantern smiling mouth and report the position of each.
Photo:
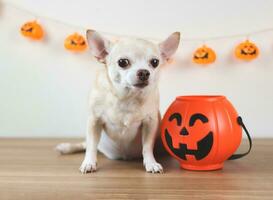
(27, 29)
(76, 43)
(204, 145)
(205, 56)
(248, 53)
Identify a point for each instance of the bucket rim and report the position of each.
(200, 97)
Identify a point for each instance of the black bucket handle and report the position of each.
(240, 155)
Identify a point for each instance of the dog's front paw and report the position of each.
(88, 166)
(153, 167)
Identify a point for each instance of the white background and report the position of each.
(44, 89)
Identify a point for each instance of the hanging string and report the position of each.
(231, 36)
(39, 16)
(115, 36)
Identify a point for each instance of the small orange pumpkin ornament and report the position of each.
(32, 30)
(246, 51)
(75, 42)
(204, 55)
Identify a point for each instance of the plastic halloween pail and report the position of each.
(201, 132)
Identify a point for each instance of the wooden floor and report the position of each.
(31, 169)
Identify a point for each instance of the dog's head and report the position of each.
(132, 63)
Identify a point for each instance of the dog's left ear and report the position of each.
(98, 45)
(169, 46)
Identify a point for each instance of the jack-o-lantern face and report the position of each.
(75, 42)
(246, 51)
(32, 30)
(179, 146)
(204, 55)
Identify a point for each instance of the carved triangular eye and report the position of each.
(198, 116)
(177, 117)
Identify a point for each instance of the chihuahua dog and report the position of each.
(124, 118)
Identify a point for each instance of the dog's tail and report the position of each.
(70, 148)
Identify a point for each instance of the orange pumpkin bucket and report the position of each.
(201, 132)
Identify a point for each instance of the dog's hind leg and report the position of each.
(69, 148)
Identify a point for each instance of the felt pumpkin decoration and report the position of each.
(201, 131)
(246, 51)
(32, 30)
(204, 55)
(75, 42)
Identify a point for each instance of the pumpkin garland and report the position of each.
(203, 55)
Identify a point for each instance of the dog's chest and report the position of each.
(122, 124)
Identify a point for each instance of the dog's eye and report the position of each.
(123, 62)
(154, 62)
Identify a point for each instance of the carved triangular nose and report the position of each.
(184, 131)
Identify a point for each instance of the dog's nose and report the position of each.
(143, 74)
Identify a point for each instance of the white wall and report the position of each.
(44, 89)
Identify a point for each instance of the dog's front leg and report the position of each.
(149, 132)
(93, 134)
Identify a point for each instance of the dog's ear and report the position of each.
(169, 46)
(98, 45)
